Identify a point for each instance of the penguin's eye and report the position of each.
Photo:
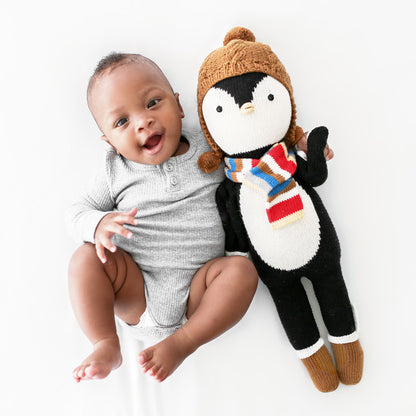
(270, 97)
(219, 109)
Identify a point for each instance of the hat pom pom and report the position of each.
(240, 33)
(209, 161)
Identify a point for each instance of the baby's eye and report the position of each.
(121, 122)
(219, 109)
(152, 103)
(270, 97)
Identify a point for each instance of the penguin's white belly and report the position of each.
(287, 248)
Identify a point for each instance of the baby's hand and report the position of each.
(302, 144)
(108, 226)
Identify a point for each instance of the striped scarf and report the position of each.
(272, 175)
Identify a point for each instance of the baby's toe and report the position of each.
(145, 356)
(161, 375)
(91, 371)
(148, 366)
(79, 373)
(154, 370)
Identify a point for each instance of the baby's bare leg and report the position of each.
(97, 291)
(220, 295)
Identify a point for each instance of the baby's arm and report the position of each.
(92, 218)
(88, 210)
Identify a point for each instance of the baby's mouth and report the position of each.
(152, 143)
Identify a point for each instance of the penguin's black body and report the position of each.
(307, 248)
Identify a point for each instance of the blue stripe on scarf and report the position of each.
(233, 166)
(280, 187)
(272, 182)
(231, 169)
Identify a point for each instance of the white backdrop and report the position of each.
(352, 66)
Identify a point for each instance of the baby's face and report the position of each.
(138, 113)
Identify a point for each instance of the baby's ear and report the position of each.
(179, 105)
(105, 138)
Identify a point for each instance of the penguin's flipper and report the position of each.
(314, 171)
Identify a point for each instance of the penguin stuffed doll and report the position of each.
(267, 203)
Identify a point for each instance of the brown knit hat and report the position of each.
(240, 54)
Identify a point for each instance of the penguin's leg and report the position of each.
(337, 313)
(296, 315)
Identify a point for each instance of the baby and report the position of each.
(153, 239)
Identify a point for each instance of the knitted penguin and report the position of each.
(267, 202)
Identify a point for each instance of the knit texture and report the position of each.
(349, 358)
(271, 175)
(307, 248)
(322, 370)
(178, 221)
(239, 55)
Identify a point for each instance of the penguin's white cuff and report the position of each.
(236, 253)
(307, 352)
(344, 339)
(301, 153)
(347, 338)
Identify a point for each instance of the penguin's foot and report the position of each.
(350, 360)
(322, 370)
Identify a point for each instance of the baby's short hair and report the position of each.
(114, 60)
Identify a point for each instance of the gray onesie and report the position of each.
(178, 231)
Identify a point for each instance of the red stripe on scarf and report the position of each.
(279, 155)
(284, 208)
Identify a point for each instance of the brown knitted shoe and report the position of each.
(349, 358)
(322, 370)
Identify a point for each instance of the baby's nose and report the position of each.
(144, 122)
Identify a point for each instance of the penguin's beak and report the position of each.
(247, 108)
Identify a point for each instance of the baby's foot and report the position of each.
(162, 359)
(105, 358)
